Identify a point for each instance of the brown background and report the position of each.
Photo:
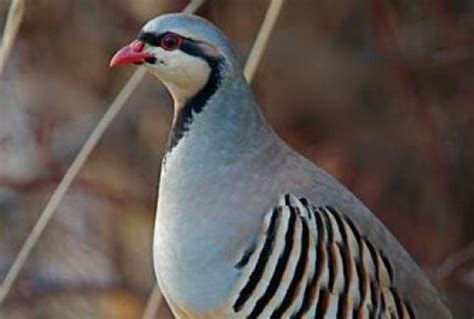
(379, 93)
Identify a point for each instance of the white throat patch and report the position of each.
(184, 75)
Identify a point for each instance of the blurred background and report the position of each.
(379, 93)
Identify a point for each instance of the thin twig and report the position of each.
(155, 298)
(14, 18)
(454, 261)
(153, 304)
(263, 36)
(193, 6)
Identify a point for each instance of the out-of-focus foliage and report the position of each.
(379, 93)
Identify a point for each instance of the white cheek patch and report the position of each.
(184, 75)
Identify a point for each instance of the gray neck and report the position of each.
(225, 125)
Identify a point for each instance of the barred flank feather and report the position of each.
(312, 262)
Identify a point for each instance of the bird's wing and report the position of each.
(313, 262)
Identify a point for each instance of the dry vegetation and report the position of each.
(380, 93)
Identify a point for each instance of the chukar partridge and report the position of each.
(245, 226)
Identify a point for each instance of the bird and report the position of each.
(245, 226)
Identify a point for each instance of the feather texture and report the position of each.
(312, 262)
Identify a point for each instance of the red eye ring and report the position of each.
(171, 41)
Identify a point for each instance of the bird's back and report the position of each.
(408, 279)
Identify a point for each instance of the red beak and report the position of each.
(132, 53)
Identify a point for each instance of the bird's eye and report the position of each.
(171, 41)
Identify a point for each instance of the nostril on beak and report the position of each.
(137, 46)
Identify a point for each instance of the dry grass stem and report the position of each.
(454, 261)
(14, 18)
(193, 6)
(153, 303)
(263, 36)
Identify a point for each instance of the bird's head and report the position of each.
(182, 50)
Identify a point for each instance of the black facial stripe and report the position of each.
(150, 38)
(188, 46)
(196, 104)
(192, 47)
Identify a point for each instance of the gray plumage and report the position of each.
(222, 180)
